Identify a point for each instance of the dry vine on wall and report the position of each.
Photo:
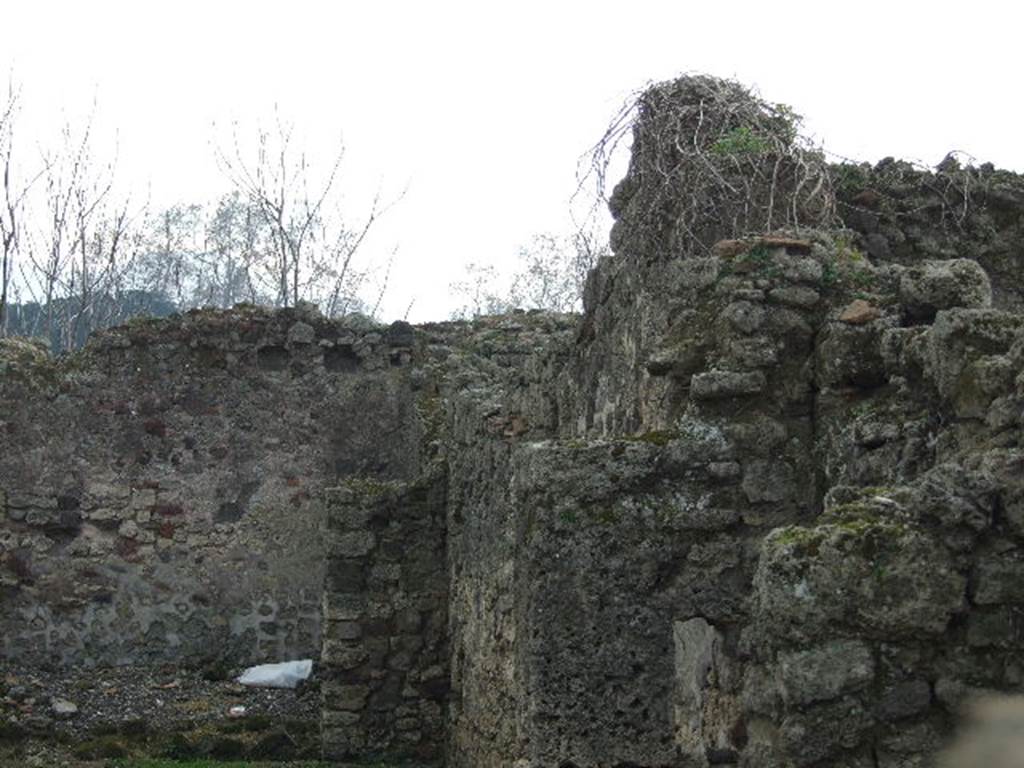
(710, 160)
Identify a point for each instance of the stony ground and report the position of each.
(84, 716)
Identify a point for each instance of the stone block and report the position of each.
(797, 296)
(343, 630)
(344, 697)
(931, 286)
(850, 355)
(301, 333)
(352, 544)
(346, 575)
(143, 498)
(904, 699)
(715, 385)
(825, 672)
(816, 735)
(744, 316)
(877, 578)
(339, 606)
(342, 654)
(768, 481)
(999, 580)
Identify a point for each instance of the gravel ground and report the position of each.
(56, 718)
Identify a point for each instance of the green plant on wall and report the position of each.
(786, 122)
(849, 179)
(741, 141)
(850, 267)
(829, 275)
(759, 260)
(759, 256)
(847, 251)
(861, 278)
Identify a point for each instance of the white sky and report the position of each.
(482, 108)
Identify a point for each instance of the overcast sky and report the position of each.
(481, 109)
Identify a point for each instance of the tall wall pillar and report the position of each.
(385, 658)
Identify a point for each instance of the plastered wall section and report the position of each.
(161, 492)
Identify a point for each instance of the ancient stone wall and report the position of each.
(161, 492)
(501, 394)
(412, 640)
(760, 506)
(385, 654)
(778, 525)
(812, 560)
(904, 213)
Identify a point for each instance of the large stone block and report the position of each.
(824, 672)
(931, 286)
(870, 577)
(716, 385)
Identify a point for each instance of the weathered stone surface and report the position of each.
(387, 647)
(910, 219)
(760, 505)
(936, 285)
(1000, 579)
(63, 709)
(881, 579)
(795, 296)
(859, 312)
(905, 699)
(959, 339)
(823, 732)
(850, 355)
(713, 385)
(825, 672)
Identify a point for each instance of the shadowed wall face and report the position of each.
(385, 654)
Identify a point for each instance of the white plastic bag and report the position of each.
(286, 674)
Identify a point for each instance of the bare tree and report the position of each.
(83, 245)
(234, 241)
(172, 246)
(478, 293)
(76, 256)
(550, 274)
(94, 279)
(553, 271)
(311, 250)
(9, 215)
(13, 207)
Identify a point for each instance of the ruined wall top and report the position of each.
(712, 160)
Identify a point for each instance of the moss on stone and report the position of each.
(807, 540)
(568, 517)
(430, 407)
(368, 487)
(859, 519)
(28, 361)
(862, 516)
(606, 515)
(102, 748)
(658, 437)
